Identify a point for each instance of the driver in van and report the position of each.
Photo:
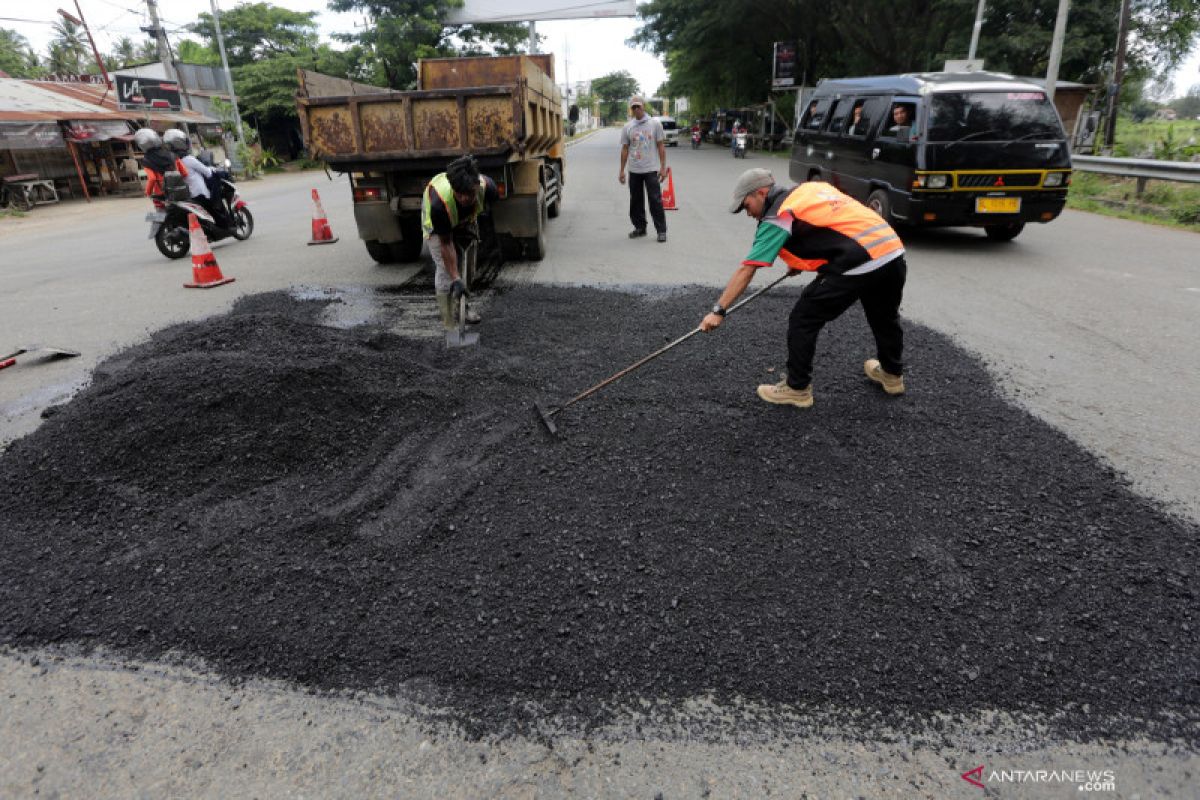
(902, 114)
(857, 258)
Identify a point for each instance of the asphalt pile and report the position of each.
(351, 509)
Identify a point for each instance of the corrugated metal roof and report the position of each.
(47, 101)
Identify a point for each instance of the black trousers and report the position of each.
(646, 183)
(828, 296)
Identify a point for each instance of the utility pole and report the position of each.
(975, 30)
(1056, 46)
(1118, 73)
(532, 37)
(237, 117)
(160, 39)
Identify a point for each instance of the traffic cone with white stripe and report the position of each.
(321, 232)
(668, 193)
(205, 272)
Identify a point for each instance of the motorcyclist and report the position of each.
(198, 176)
(158, 161)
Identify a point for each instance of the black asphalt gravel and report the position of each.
(350, 509)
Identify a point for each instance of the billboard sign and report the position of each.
(480, 11)
(783, 74)
(147, 94)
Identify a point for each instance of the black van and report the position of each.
(937, 149)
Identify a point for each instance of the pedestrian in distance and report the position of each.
(857, 257)
(450, 206)
(644, 150)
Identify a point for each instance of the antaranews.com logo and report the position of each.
(1087, 780)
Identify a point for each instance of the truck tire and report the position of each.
(1004, 233)
(536, 247)
(409, 248)
(383, 252)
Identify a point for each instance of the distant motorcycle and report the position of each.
(695, 140)
(169, 220)
(739, 145)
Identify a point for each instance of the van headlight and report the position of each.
(936, 181)
(1053, 179)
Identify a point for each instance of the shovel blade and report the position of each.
(461, 339)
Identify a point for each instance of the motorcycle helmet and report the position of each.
(177, 140)
(147, 140)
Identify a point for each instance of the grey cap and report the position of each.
(637, 100)
(751, 179)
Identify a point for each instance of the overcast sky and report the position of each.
(595, 47)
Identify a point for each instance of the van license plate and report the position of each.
(997, 205)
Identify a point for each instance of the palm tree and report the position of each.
(16, 57)
(68, 49)
(124, 53)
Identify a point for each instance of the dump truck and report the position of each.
(504, 110)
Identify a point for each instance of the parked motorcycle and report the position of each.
(739, 145)
(169, 220)
(695, 140)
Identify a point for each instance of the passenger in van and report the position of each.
(902, 115)
(814, 119)
(858, 125)
(857, 257)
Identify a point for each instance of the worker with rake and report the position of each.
(857, 257)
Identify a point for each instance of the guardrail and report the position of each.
(1144, 169)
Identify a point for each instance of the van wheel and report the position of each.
(814, 175)
(1004, 233)
(881, 204)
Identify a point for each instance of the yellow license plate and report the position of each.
(997, 205)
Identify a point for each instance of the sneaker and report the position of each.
(782, 394)
(637, 233)
(662, 237)
(892, 384)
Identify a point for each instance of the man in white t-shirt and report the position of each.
(644, 150)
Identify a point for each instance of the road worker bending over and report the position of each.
(452, 203)
(857, 257)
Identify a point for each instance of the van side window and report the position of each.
(864, 115)
(902, 115)
(837, 117)
(815, 115)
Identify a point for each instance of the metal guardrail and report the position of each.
(1143, 169)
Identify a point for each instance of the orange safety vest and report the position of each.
(822, 206)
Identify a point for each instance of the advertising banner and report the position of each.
(30, 136)
(140, 94)
(784, 73)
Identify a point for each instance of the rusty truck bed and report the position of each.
(516, 116)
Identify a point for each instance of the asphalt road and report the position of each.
(1089, 322)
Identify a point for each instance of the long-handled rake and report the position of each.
(547, 416)
(8, 359)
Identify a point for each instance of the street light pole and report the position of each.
(975, 30)
(1118, 72)
(1056, 46)
(237, 117)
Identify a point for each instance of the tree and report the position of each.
(16, 56)
(614, 90)
(1188, 106)
(257, 31)
(403, 31)
(68, 51)
(195, 53)
(267, 88)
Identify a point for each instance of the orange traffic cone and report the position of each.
(321, 233)
(668, 193)
(205, 272)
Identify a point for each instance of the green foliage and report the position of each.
(1163, 202)
(267, 88)
(1188, 106)
(614, 91)
(190, 52)
(719, 54)
(403, 31)
(256, 31)
(16, 56)
(69, 50)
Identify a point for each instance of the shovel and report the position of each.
(460, 337)
(547, 417)
(9, 359)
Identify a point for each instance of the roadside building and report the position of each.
(70, 139)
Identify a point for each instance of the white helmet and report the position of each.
(177, 140)
(146, 139)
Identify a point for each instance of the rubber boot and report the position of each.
(446, 310)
